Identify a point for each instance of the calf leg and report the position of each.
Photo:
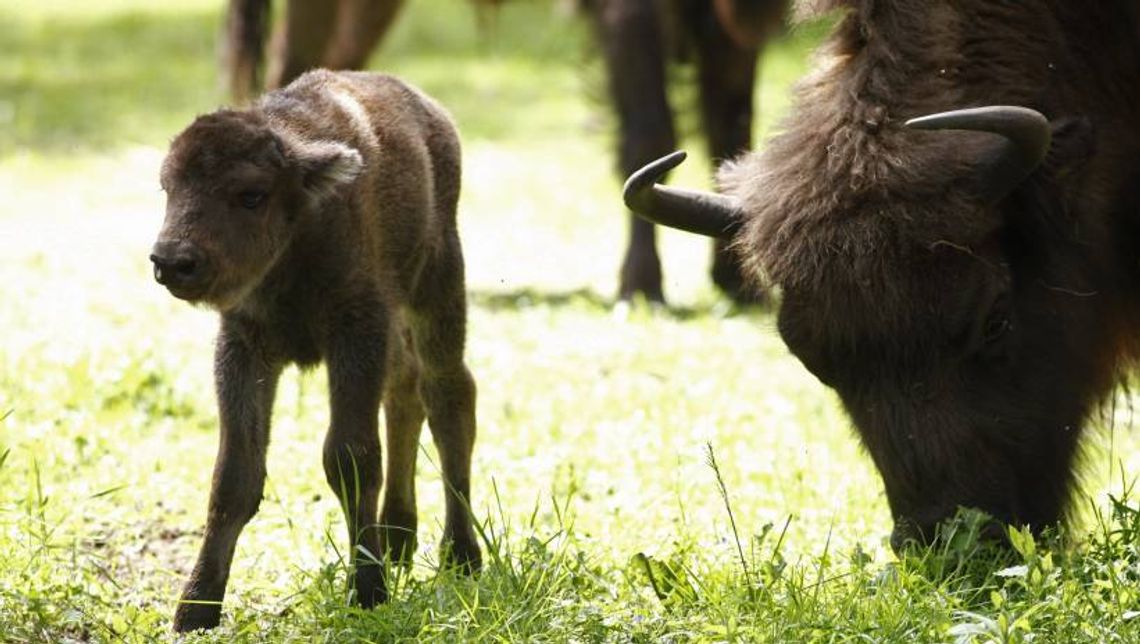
(356, 357)
(403, 419)
(630, 33)
(727, 73)
(245, 390)
(438, 325)
(359, 27)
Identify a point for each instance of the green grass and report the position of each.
(604, 518)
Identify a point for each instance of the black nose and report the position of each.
(178, 264)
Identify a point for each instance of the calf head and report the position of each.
(238, 190)
(929, 286)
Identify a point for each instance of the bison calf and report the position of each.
(320, 223)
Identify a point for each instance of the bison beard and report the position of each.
(971, 294)
(320, 224)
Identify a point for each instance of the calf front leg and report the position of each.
(245, 388)
(352, 446)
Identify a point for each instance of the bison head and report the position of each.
(238, 190)
(924, 280)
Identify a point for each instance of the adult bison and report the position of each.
(967, 281)
(637, 38)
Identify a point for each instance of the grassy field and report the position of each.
(605, 517)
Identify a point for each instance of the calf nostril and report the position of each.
(185, 267)
(177, 269)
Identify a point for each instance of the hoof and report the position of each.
(193, 614)
(370, 586)
(462, 555)
(399, 538)
(641, 274)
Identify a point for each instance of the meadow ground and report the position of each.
(603, 516)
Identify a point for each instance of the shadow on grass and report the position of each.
(587, 300)
(525, 298)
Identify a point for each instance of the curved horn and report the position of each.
(704, 213)
(1026, 131)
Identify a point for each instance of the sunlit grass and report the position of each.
(606, 521)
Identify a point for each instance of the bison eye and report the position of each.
(998, 323)
(251, 199)
(996, 327)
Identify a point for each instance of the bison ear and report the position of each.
(327, 167)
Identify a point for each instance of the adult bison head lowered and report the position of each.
(971, 292)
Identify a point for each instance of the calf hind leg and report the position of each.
(403, 420)
(449, 396)
(448, 393)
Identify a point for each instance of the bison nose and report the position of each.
(178, 264)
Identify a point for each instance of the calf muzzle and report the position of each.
(180, 266)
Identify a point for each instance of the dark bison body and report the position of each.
(637, 37)
(971, 293)
(320, 223)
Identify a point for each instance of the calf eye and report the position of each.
(251, 199)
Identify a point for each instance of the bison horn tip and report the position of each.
(647, 176)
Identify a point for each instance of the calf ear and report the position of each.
(327, 167)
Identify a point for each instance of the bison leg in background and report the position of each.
(727, 73)
(300, 43)
(630, 33)
(245, 388)
(336, 35)
(356, 368)
(360, 25)
(403, 420)
(246, 23)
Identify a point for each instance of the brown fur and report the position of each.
(351, 257)
(968, 341)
